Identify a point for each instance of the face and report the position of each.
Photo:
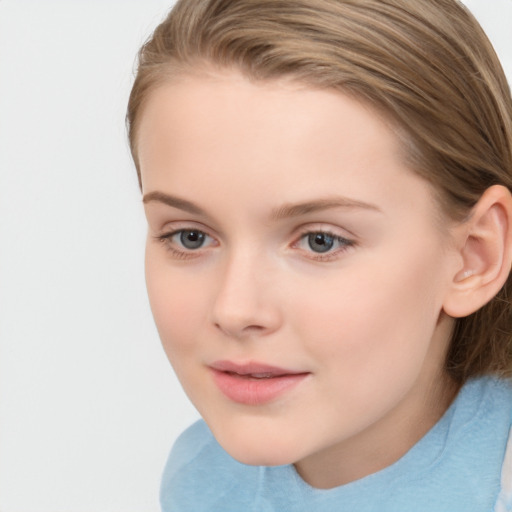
(296, 268)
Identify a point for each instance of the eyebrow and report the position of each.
(283, 212)
(175, 202)
(295, 210)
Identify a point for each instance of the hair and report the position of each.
(426, 65)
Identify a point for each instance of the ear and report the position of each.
(485, 246)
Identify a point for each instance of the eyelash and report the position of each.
(186, 254)
(345, 244)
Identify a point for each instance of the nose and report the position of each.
(246, 302)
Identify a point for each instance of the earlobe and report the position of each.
(485, 251)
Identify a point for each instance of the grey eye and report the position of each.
(320, 242)
(192, 238)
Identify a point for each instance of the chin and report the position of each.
(259, 458)
(258, 450)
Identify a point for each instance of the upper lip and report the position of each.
(252, 368)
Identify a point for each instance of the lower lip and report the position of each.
(250, 391)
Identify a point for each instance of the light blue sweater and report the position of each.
(455, 468)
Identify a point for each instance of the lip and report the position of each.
(254, 383)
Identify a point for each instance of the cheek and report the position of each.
(178, 306)
(371, 320)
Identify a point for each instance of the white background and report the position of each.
(88, 403)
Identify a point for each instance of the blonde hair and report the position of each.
(427, 65)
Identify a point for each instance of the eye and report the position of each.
(191, 238)
(186, 243)
(323, 243)
(320, 242)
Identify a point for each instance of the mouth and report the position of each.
(254, 383)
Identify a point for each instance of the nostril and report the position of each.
(254, 328)
(233, 331)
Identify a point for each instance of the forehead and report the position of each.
(201, 100)
(276, 138)
(226, 107)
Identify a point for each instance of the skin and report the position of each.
(364, 320)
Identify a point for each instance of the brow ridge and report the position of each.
(175, 202)
(283, 212)
(296, 210)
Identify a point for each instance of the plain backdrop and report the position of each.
(89, 406)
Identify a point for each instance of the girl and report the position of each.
(327, 188)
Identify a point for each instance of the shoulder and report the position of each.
(500, 396)
(484, 406)
(498, 389)
(504, 501)
(199, 474)
(486, 398)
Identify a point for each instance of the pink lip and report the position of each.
(254, 383)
